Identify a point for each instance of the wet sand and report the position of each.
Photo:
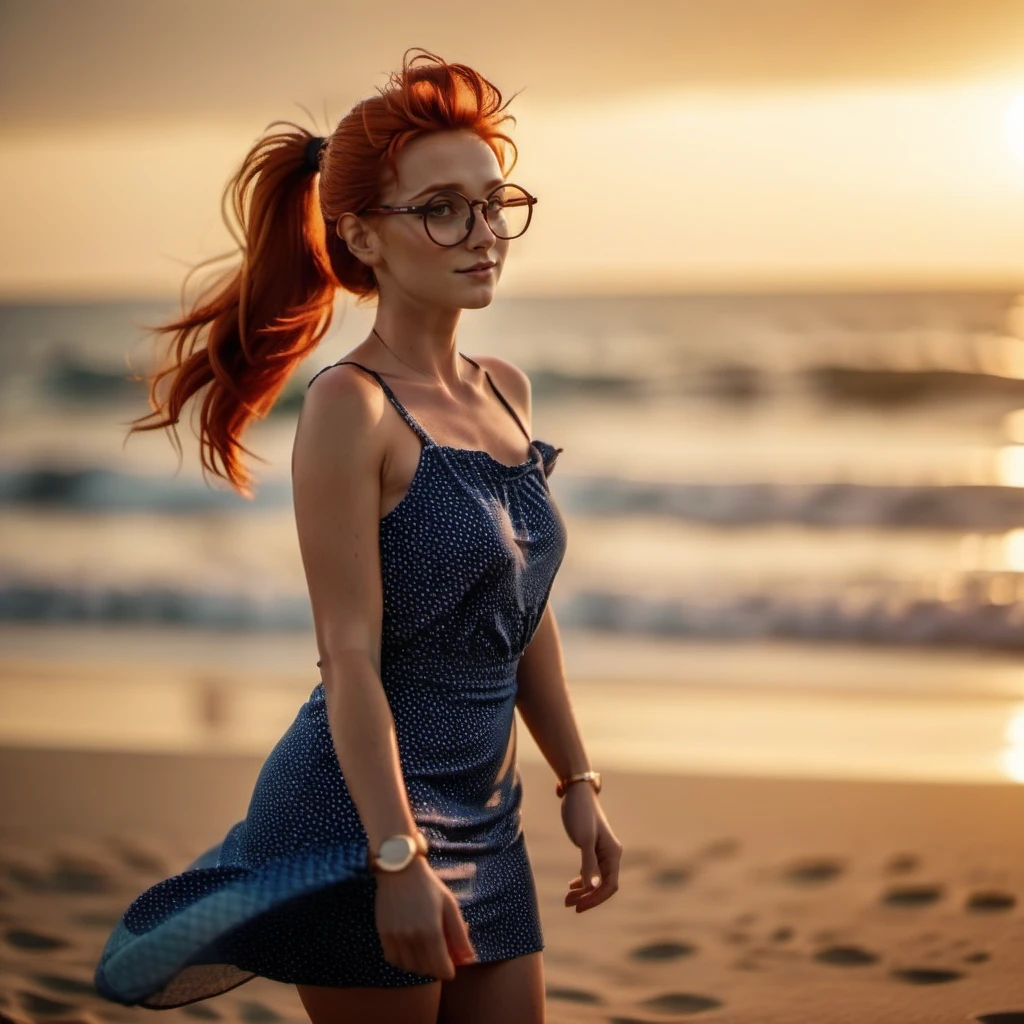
(741, 899)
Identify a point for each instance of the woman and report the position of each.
(381, 867)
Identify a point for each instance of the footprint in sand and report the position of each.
(256, 1013)
(137, 857)
(21, 938)
(573, 995)
(812, 871)
(746, 965)
(66, 877)
(43, 1006)
(925, 975)
(913, 895)
(76, 880)
(846, 956)
(672, 876)
(64, 985)
(980, 957)
(663, 951)
(991, 900)
(901, 863)
(201, 1012)
(682, 1002)
(720, 849)
(24, 876)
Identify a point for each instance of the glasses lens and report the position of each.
(449, 214)
(508, 211)
(447, 218)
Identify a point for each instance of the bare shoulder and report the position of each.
(341, 413)
(513, 383)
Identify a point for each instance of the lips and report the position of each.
(479, 266)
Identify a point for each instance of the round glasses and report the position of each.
(449, 216)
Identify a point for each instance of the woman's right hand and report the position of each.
(420, 923)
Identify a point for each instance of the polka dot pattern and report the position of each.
(468, 558)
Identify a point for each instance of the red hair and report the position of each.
(247, 332)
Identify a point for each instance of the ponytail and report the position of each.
(244, 336)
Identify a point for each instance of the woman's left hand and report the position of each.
(586, 825)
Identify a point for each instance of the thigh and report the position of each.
(503, 992)
(411, 1004)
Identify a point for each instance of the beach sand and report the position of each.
(741, 899)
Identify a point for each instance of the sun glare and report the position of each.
(1013, 127)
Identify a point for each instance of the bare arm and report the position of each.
(336, 472)
(545, 705)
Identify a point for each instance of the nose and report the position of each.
(479, 218)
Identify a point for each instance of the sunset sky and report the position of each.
(694, 147)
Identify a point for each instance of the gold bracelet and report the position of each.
(588, 776)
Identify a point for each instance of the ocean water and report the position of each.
(808, 469)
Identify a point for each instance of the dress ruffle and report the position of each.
(166, 950)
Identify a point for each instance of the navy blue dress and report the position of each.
(468, 557)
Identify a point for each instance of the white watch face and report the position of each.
(395, 851)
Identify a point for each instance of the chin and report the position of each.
(485, 298)
(477, 295)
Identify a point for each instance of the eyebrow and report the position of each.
(456, 185)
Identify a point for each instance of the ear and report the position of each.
(362, 241)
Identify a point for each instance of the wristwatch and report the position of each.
(397, 851)
(587, 776)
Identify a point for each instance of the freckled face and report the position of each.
(410, 261)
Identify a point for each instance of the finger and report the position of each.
(597, 896)
(586, 880)
(578, 885)
(578, 888)
(592, 897)
(400, 953)
(430, 954)
(591, 872)
(457, 933)
(437, 960)
(608, 855)
(576, 895)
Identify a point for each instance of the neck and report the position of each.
(423, 340)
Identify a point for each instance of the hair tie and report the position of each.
(313, 150)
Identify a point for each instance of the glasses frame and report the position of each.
(423, 208)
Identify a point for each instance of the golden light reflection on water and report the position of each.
(998, 354)
(989, 552)
(1013, 756)
(1011, 553)
(1009, 466)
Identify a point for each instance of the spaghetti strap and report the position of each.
(393, 398)
(502, 397)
